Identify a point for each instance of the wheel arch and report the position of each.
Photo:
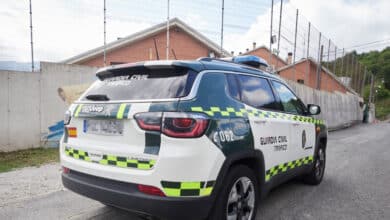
(253, 158)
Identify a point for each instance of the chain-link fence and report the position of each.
(61, 29)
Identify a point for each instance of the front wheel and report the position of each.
(239, 196)
(317, 173)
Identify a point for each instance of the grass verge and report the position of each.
(382, 108)
(26, 158)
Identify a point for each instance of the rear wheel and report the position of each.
(239, 196)
(317, 173)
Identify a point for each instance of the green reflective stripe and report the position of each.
(183, 189)
(78, 154)
(197, 109)
(172, 192)
(206, 191)
(118, 161)
(281, 168)
(231, 112)
(76, 114)
(190, 185)
(121, 110)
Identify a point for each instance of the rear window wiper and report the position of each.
(97, 97)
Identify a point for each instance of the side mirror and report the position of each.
(314, 109)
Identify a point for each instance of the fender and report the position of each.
(323, 134)
(251, 157)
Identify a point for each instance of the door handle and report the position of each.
(260, 121)
(296, 124)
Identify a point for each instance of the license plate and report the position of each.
(103, 127)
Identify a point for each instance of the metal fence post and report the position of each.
(319, 68)
(295, 44)
(270, 36)
(167, 48)
(335, 60)
(327, 62)
(280, 25)
(371, 89)
(342, 64)
(364, 81)
(307, 56)
(31, 39)
(104, 33)
(222, 23)
(352, 70)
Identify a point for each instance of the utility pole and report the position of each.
(307, 55)
(167, 48)
(270, 34)
(222, 23)
(104, 34)
(318, 86)
(31, 39)
(295, 43)
(280, 25)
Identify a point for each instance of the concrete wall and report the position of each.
(29, 102)
(338, 109)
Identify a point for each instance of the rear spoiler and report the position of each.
(147, 67)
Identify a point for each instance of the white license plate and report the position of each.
(103, 127)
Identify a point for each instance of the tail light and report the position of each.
(184, 125)
(65, 170)
(151, 190)
(174, 124)
(150, 121)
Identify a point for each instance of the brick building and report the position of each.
(264, 53)
(305, 72)
(187, 43)
(150, 44)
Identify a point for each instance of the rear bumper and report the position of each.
(126, 196)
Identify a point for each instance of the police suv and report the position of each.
(189, 139)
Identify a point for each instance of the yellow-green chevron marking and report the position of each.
(242, 112)
(281, 168)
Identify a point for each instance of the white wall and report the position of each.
(29, 102)
(338, 109)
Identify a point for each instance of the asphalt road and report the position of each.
(356, 186)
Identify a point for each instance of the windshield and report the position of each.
(146, 85)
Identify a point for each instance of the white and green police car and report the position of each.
(189, 139)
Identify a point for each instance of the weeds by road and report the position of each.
(25, 158)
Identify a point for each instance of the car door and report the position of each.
(270, 132)
(302, 131)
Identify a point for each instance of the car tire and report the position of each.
(317, 173)
(238, 197)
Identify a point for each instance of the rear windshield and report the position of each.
(151, 84)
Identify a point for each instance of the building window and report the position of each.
(301, 81)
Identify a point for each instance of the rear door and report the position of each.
(103, 118)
